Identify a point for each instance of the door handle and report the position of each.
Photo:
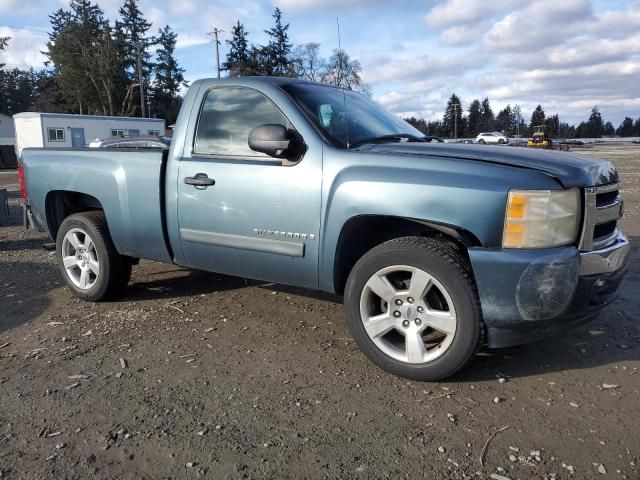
(200, 180)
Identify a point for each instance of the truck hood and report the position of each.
(569, 169)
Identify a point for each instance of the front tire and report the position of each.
(481, 142)
(87, 258)
(412, 306)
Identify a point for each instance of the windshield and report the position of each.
(364, 118)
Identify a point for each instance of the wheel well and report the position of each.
(59, 204)
(362, 233)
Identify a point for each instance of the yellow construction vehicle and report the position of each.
(540, 139)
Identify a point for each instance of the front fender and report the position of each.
(460, 194)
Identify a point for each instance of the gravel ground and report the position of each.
(194, 374)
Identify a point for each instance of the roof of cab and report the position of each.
(263, 79)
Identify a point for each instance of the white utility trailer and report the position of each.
(53, 130)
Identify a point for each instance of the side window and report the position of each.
(55, 134)
(227, 117)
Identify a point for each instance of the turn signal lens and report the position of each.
(541, 218)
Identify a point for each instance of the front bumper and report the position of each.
(530, 294)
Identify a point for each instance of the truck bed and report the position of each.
(127, 184)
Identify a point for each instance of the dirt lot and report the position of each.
(194, 374)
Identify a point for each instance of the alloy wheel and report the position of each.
(408, 314)
(80, 259)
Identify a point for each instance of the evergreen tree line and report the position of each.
(510, 120)
(92, 66)
(279, 57)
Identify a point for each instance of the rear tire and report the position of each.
(412, 306)
(88, 260)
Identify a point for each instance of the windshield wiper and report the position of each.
(397, 137)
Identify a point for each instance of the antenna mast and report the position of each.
(341, 84)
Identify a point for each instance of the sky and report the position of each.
(567, 55)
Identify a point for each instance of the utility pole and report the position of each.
(455, 120)
(141, 80)
(215, 35)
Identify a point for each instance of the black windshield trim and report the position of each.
(390, 139)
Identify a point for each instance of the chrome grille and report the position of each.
(603, 208)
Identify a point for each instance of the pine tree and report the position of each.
(505, 120)
(4, 41)
(453, 116)
(169, 78)
(278, 49)
(583, 131)
(59, 19)
(609, 129)
(594, 124)
(537, 117)
(77, 53)
(626, 128)
(19, 90)
(474, 118)
(418, 124)
(239, 61)
(87, 14)
(488, 119)
(134, 27)
(552, 124)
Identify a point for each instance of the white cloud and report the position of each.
(541, 23)
(21, 7)
(24, 49)
(567, 55)
(323, 4)
(462, 34)
(185, 40)
(461, 12)
(412, 67)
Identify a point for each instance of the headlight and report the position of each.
(541, 218)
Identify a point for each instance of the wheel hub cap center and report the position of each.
(407, 311)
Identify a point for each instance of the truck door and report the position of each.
(241, 212)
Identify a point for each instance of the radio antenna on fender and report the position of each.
(341, 84)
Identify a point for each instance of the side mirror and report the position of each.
(274, 140)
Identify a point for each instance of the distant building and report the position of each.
(55, 130)
(7, 142)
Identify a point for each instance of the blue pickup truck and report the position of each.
(438, 249)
